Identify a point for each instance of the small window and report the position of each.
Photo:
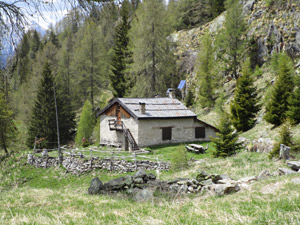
(200, 132)
(166, 133)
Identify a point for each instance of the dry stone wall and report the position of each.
(78, 166)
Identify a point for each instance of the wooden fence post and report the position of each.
(91, 158)
(135, 161)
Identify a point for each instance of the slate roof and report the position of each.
(156, 108)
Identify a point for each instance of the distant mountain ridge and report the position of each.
(7, 47)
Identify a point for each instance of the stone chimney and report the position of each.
(172, 93)
(142, 107)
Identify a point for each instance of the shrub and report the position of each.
(179, 158)
(286, 138)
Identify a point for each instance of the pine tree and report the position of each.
(226, 140)
(206, 74)
(121, 53)
(7, 126)
(153, 62)
(43, 117)
(86, 125)
(294, 104)
(231, 38)
(245, 105)
(277, 107)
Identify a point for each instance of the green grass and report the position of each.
(52, 196)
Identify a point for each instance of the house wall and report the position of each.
(183, 130)
(113, 137)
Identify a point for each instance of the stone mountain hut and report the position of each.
(138, 122)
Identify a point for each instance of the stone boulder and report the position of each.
(294, 165)
(224, 189)
(96, 186)
(296, 180)
(143, 195)
(116, 184)
(263, 175)
(202, 176)
(285, 171)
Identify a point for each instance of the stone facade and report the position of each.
(114, 137)
(148, 132)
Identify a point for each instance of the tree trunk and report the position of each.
(3, 144)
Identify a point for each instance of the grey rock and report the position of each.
(138, 180)
(144, 195)
(96, 186)
(248, 6)
(208, 182)
(141, 173)
(183, 182)
(226, 181)
(115, 185)
(151, 176)
(225, 177)
(183, 188)
(247, 179)
(174, 188)
(294, 165)
(215, 178)
(191, 189)
(202, 176)
(223, 189)
(217, 24)
(263, 175)
(296, 180)
(285, 171)
(129, 181)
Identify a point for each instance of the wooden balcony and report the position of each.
(115, 125)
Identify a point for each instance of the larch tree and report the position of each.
(87, 62)
(153, 61)
(278, 105)
(231, 39)
(206, 74)
(245, 104)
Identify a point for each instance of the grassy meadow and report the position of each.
(52, 196)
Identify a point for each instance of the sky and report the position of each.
(50, 11)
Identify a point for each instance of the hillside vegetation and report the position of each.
(42, 196)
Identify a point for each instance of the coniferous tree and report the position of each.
(86, 124)
(153, 62)
(293, 112)
(7, 126)
(245, 104)
(121, 53)
(231, 40)
(226, 141)
(277, 107)
(43, 116)
(206, 73)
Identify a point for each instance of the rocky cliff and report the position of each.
(273, 28)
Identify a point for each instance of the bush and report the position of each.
(286, 138)
(86, 125)
(179, 158)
